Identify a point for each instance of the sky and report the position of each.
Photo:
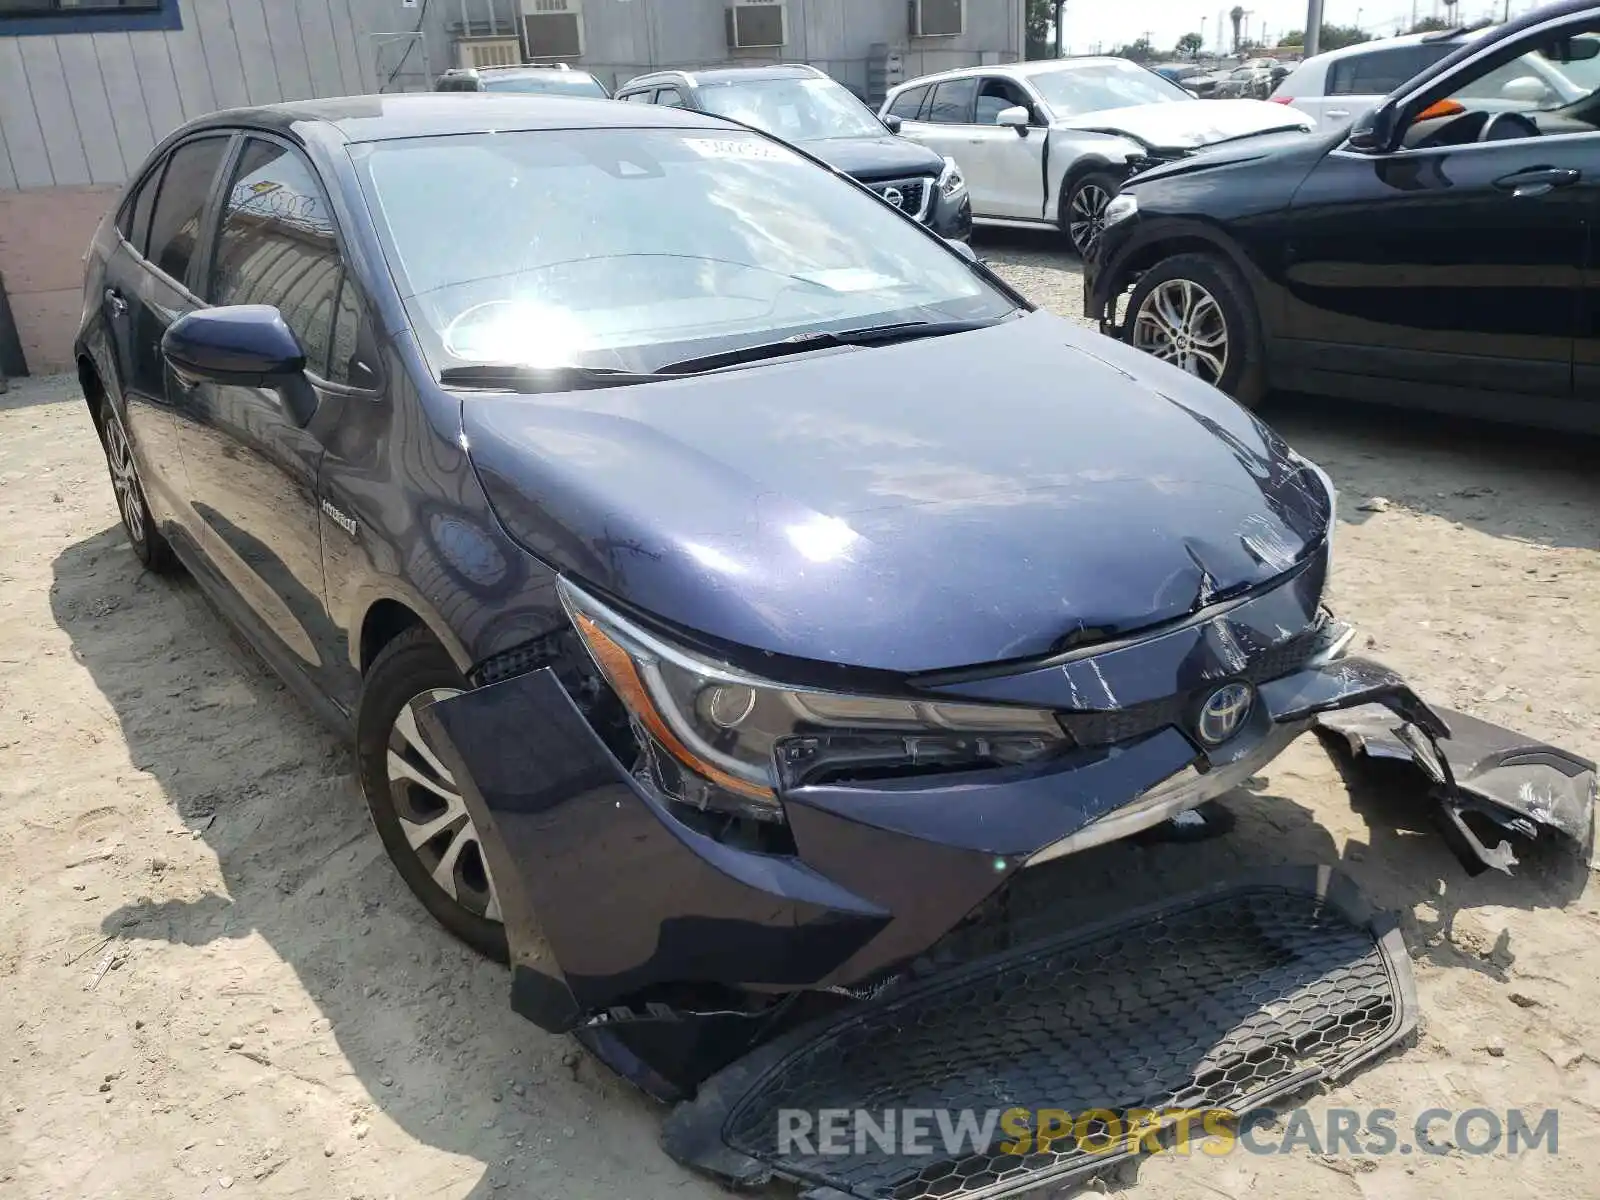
(1092, 22)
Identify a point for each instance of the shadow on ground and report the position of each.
(423, 1023)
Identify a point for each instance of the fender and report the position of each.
(370, 592)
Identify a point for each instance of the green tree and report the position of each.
(1140, 51)
(1295, 37)
(1335, 37)
(1041, 29)
(1189, 44)
(1429, 25)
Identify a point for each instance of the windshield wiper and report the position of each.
(518, 378)
(801, 343)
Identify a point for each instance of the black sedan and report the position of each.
(803, 106)
(704, 643)
(1439, 255)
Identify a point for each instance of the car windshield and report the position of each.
(562, 83)
(1093, 87)
(797, 110)
(629, 249)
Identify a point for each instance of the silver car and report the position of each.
(1048, 144)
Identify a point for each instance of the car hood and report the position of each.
(1186, 125)
(965, 499)
(872, 159)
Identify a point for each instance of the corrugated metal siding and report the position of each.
(87, 108)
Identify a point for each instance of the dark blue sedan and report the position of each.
(729, 584)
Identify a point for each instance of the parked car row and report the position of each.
(1436, 253)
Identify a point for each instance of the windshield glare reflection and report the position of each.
(629, 249)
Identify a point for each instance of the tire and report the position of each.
(150, 547)
(1083, 209)
(458, 892)
(1217, 302)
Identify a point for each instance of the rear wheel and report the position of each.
(149, 546)
(416, 803)
(1083, 212)
(1195, 312)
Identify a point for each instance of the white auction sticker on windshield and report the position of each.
(752, 148)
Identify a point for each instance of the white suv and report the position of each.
(1337, 87)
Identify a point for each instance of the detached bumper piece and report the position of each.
(1517, 784)
(1228, 998)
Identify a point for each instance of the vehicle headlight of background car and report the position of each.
(717, 737)
(951, 182)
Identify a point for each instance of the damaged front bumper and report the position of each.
(617, 909)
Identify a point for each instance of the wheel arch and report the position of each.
(1088, 164)
(1188, 238)
(389, 611)
(95, 393)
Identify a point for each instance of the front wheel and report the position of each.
(1083, 212)
(416, 804)
(1194, 312)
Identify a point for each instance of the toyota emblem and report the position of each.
(1224, 712)
(894, 196)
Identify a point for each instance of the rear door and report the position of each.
(253, 454)
(147, 288)
(944, 124)
(1004, 166)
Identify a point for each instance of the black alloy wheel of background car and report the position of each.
(1085, 214)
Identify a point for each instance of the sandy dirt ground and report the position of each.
(211, 980)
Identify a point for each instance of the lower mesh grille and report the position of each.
(1226, 1000)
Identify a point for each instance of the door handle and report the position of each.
(1337, 112)
(114, 301)
(1537, 181)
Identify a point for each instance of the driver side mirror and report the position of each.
(241, 345)
(961, 248)
(892, 123)
(1374, 130)
(1525, 89)
(1016, 117)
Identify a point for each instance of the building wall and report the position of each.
(80, 111)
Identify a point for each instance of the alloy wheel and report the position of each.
(1087, 216)
(434, 817)
(1182, 323)
(124, 476)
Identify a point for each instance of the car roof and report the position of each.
(1043, 66)
(1452, 37)
(727, 74)
(431, 114)
(522, 69)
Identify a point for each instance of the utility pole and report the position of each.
(1060, 7)
(1313, 27)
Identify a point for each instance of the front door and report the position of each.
(1454, 260)
(1004, 166)
(253, 454)
(944, 124)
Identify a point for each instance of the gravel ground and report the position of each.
(213, 981)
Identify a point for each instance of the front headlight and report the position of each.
(951, 182)
(743, 738)
(1122, 206)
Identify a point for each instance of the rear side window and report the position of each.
(134, 223)
(180, 204)
(670, 97)
(276, 245)
(1382, 71)
(952, 102)
(908, 103)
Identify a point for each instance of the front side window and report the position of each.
(181, 204)
(952, 102)
(276, 245)
(908, 103)
(1520, 90)
(1095, 87)
(996, 96)
(528, 248)
(797, 110)
(671, 97)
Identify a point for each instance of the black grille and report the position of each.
(1105, 728)
(1227, 1000)
(911, 193)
